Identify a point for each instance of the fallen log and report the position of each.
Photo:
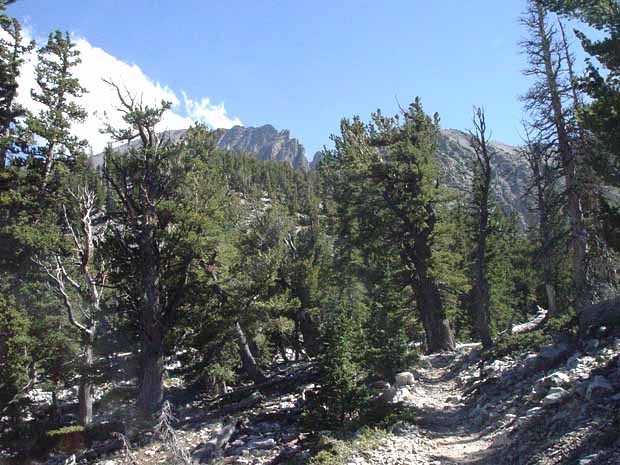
(214, 447)
(273, 384)
(537, 322)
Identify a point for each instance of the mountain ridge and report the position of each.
(455, 156)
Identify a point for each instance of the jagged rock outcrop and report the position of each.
(266, 142)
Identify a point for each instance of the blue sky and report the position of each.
(303, 65)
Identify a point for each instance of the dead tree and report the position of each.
(481, 190)
(547, 200)
(79, 280)
(547, 103)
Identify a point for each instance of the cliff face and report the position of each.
(510, 170)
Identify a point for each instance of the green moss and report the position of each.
(65, 430)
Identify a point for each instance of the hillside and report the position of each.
(455, 155)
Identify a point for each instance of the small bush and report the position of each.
(332, 451)
(342, 391)
(67, 439)
(518, 343)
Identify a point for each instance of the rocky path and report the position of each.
(442, 433)
(552, 407)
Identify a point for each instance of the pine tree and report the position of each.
(386, 172)
(15, 354)
(12, 56)
(169, 202)
(57, 93)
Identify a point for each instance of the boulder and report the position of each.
(549, 357)
(394, 395)
(380, 386)
(599, 387)
(556, 395)
(405, 378)
(555, 379)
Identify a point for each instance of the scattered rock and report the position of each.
(557, 379)
(556, 395)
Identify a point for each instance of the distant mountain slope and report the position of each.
(511, 173)
(455, 155)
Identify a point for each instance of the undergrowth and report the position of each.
(334, 451)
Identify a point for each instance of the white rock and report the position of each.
(403, 394)
(535, 411)
(405, 378)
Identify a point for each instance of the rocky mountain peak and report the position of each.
(267, 143)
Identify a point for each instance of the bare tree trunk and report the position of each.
(151, 387)
(439, 336)
(49, 164)
(86, 385)
(480, 191)
(310, 332)
(416, 254)
(550, 291)
(247, 358)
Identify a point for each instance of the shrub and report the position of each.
(518, 343)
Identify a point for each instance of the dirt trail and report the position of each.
(442, 434)
(450, 438)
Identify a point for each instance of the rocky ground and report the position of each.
(554, 407)
(557, 406)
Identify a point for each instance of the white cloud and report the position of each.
(101, 101)
(206, 112)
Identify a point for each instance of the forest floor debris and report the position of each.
(556, 406)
